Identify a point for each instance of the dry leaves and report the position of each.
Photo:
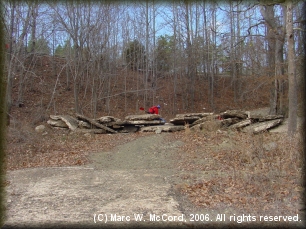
(239, 172)
(58, 148)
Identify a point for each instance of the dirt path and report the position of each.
(134, 178)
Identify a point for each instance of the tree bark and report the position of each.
(292, 120)
(276, 35)
(11, 61)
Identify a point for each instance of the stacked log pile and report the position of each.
(182, 119)
(238, 120)
(231, 119)
(105, 124)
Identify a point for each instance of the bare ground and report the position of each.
(161, 178)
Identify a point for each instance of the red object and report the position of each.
(7, 46)
(141, 108)
(153, 110)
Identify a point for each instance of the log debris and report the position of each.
(261, 118)
(262, 126)
(233, 119)
(199, 115)
(189, 118)
(57, 123)
(84, 125)
(241, 124)
(148, 117)
(229, 121)
(71, 122)
(145, 122)
(107, 119)
(204, 119)
(91, 131)
(163, 128)
(95, 123)
(234, 114)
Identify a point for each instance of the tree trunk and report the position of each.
(11, 61)
(213, 55)
(189, 54)
(233, 51)
(276, 34)
(174, 63)
(292, 120)
(147, 53)
(76, 77)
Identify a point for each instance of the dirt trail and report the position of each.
(134, 178)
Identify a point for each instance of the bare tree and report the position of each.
(20, 16)
(292, 120)
(276, 35)
(10, 58)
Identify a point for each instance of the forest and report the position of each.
(116, 56)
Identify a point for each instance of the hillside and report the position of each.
(47, 92)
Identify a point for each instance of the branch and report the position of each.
(54, 89)
(249, 29)
(303, 30)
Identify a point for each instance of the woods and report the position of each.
(107, 54)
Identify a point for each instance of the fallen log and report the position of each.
(199, 115)
(95, 123)
(204, 119)
(163, 128)
(107, 119)
(71, 122)
(241, 124)
(144, 122)
(234, 114)
(208, 126)
(110, 124)
(183, 121)
(57, 123)
(229, 121)
(91, 131)
(262, 126)
(189, 118)
(148, 117)
(119, 123)
(263, 118)
(84, 125)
